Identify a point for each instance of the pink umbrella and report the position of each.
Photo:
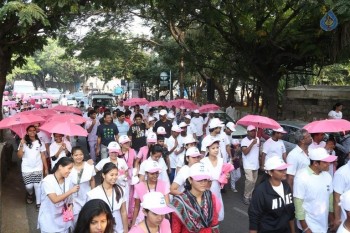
(208, 107)
(62, 108)
(135, 101)
(6, 93)
(183, 103)
(259, 122)
(71, 118)
(47, 96)
(329, 126)
(157, 103)
(18, 123)
(65, 128)
(36, 97)
(44, 113)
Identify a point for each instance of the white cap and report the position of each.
(189, 139)
(214, 123)
(151, 118)
(231, 126)
(176, 128)
(155, 202)
(161, 130)
(275, 163)
(320, 154)
(196, 111)
(199, 171)
(345, 200)
(151, 138)
(123, 139)
(163, 112)
(171, 115)
(182, 125)
(280, 130)
(251, 127)
(212, 141)
(193, 152)
(152, 166)
(188, 117)
(113, 147)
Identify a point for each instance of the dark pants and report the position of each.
(172, 174)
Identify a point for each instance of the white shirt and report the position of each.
(92, 135)
(163, 174)
(64, 101)
(314, 190)
(121, 164)
(98, 193)
(297, 160)
(50, 215)
(273, 147)
(44, 138)
(314, 145)
(31, 160)
(335, 115)
(341, 182)
(250, 160)
(192, 130)
(181, 177)
(170, 142)
(54, 147)
(231, 111)
(198, 122)
(342, 229)
(121, 108)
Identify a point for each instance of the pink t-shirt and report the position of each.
(164, 227)
(143, 153)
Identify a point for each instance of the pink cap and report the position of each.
(152, 166)
(199, 171)
(123, 139)
(320, 154)
(155, 202)
(275, 163)
(151, 138)
(280, 130)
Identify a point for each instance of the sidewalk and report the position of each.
(13, 207)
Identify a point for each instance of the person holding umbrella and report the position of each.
(34, 165)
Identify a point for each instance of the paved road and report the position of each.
(236, 217)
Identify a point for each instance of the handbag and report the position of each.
(67, 214)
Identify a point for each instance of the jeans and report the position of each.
(172, 174)
(104, 151)
(250, 180)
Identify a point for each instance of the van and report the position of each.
(25, 88)
(102, 99)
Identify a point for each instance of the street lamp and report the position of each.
(164, 77)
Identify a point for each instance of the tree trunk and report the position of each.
(271, 95)
(232, 92)
(181, 76)
(222, 96)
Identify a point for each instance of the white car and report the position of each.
(55, 93)
(71, 101)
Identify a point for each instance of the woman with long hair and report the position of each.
(95, 217)
(155, 154)
(336, 112)
(214, 163)
(82, 174)
(113, 195)
(34, 164)
(151, 184)
(56, 191)
(154, 209)
(192, 156)
(143, 152)
(195, 209)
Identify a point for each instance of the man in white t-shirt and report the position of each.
(313, 191)
(298, 158)
(274, 146)
(191, 128)
(231, 110)
(175, 148)
(63, 101)
(198, 122)
(44, 139)
(91, 125)
(317, 141)
(250, 157)
(341, 184)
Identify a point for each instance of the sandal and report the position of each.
(29, 198)
(37, 207)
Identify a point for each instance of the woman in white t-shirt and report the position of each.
(113, 195)
(32, 153)
(82, 174)
(336, 113)
(56, 191)
(192, 156)
(59, 148)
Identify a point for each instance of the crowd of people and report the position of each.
(163, 170)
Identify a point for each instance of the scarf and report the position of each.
(194, 216)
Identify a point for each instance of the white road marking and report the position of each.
(241, 211)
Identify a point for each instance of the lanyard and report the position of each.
(155, 188)
(64, 184)
(111, 206)
(148, 230)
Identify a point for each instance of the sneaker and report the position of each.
(235, 190)
(246, 201)
(29, 199)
